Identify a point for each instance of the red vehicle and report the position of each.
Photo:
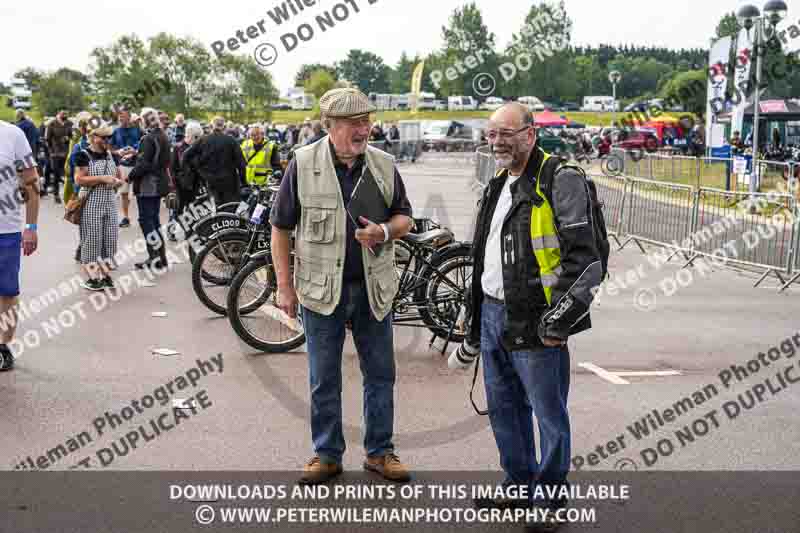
(639, 140)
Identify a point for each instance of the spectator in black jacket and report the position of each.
(536, 267)
(150, 184)
(29, 129)
(221, 164)
(184, 169)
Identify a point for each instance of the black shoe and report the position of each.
(57, 198)
(78, 254)
(144, 265)
(93, 285)
(124, 223)
(6, 358)
(108, 283)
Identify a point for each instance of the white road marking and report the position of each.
(615, 377)
(605, 374)
(165, 352)
(650, 373)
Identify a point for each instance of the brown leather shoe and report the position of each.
(388, 466)
(316, 472)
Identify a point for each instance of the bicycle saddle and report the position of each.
(427, 237)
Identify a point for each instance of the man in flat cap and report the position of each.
(343, 273)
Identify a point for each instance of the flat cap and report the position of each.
(344, 102)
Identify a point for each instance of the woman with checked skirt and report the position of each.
(97, 175)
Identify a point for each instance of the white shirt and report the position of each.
(492, 278)
(14, 150)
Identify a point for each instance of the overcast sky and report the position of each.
(49, 34)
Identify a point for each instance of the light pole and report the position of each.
(750, 18)
(614, 77)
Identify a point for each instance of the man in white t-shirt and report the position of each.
(19, 184)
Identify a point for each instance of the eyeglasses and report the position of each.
(357, 122)
(494, 135)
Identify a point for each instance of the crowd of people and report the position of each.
(152, 156)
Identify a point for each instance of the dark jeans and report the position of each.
(149, 221)
(225, 196)
(57, 173)
(519, 384)
(185, 199)
(374, 343)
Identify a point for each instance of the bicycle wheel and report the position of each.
(444, 295)
(266, 328)
(214, 268)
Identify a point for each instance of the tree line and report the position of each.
(239, 87)
(567, 74)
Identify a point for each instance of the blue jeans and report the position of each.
(519, 384)
(374, 344)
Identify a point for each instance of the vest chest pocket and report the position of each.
(314, 284)
(319, 224)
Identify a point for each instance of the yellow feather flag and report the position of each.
(416, 83)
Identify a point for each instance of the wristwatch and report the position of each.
(31, 227)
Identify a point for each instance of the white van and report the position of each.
(598, 103)
(426, 101)
(20, 94)
(461, 103)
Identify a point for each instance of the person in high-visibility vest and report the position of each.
(536, 267)
(262, 157)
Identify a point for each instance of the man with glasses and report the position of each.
(535, 265)
(343, 274)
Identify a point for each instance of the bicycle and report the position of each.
(226, 251)
(424, 264)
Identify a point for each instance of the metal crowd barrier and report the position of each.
(658, 213)
(712, 172)
(612, 191)
(795, 262)
(724, 227)
(400, 149)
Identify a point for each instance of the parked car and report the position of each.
(638, 140)
(447, 136)
(531, 102)
(570, 106)
(492, 103)
(550, 141)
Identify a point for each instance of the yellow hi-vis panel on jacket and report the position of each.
(258, 169)
(544, 238)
